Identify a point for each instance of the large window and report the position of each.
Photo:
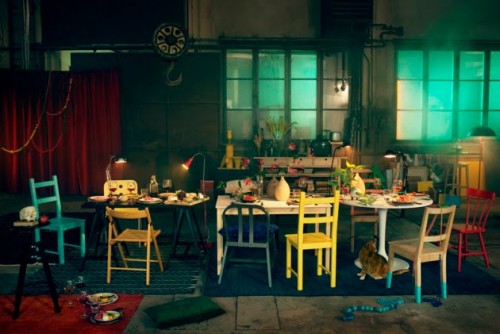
(443, 94)
(301, 86)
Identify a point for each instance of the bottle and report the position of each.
(260, 187)
(153, 187)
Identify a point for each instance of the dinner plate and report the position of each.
(99, 198)
(104, 298)
(167, 195)
(152, 200)
(106, 317)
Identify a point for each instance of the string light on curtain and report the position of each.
(62, 111)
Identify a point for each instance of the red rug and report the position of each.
(38, 316)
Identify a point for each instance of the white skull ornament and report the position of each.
(28, 213)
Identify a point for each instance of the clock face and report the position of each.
(170, 40)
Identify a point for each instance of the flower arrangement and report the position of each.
(342, 177)
(279, 129)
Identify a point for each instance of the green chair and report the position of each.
(45, 194)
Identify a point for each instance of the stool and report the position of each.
(29, 250)
(455, 173)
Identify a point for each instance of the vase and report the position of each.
(282, 191)
(271, 185)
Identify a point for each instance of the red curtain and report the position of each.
(63, 123)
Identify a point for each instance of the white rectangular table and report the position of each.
(274, 207)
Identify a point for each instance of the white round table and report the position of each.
(383, 207)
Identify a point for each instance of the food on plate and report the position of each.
(249, 198)
(104, 298)
(107, 315)
(404, 199)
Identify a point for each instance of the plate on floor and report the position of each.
(106, 317)
(104, 298)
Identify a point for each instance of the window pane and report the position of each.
(410, 65)
(470, 96)
(332, 65)
(441, 65)
(494, 95)
(494, 121)
(239, 94)
(409, 95)
(466, 121)
(271, 65)
(271, 94)
(303, 65)
(334, 120)
(333, 97)
(303, 94)
(495, 66)
(306, 124)
(439, 125)
(239, 64)
(408, 125)
(240, 121)
(440, 95)
(471, 65)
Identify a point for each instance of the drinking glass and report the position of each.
(397, 186)
(167, 184)
(131, 187)
(80, 283)
(84, 298)
(113, 186)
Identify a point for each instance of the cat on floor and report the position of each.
(372, 263)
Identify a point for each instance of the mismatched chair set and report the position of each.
(248, 226)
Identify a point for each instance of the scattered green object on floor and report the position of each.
(387, 305)
(184, 311)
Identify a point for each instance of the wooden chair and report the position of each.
(318, 240)
(45, 194)
(122, 187)
(243, 229)
(146, 236)
(427, 247)
(364, 215)
(478, 208)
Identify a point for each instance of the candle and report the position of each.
(229, 135)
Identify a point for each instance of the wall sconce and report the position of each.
(188, 163)
(402, 166)
(116, 160)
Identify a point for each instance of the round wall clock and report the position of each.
(170, 40)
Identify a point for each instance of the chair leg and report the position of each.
(60, 245)
(300, 269)
(319, 263)
(333, 268)
(83, 248)
(460, 249)
(224, 258)
(148, 262)
(288, 259)
(158, 254)
(268, 261)
(444, 290)
(483, 249)
(108, 275)
(418, 282)
(388, 280)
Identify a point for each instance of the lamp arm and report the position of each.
(203, 176)
(108, 168)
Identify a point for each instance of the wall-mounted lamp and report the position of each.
(116, 160)
(402, 165)
(343, 86)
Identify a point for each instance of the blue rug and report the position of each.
(246, 280)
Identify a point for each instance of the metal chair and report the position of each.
(478, 208)
(427, 247)
(46, 194)
(146, 236)
(248, 226)
(318, 240)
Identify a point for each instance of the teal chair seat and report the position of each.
(44, 196)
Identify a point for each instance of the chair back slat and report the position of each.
(441, 238)
(331, 220)
(478, 208)
(243, 217)
(45, 192)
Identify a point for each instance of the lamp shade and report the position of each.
(188, 163)
(481, 131)
(390, 154)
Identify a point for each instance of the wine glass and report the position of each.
(167, 184)
(131, 187)
(84, 299)
(69, 289)
(80, 283)
(113, 186)
(397, 185)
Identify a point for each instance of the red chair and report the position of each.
(478, 208)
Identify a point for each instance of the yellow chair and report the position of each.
(318, 241)
(146, 236)
(364, 215)
(123, 187)
(427, 247)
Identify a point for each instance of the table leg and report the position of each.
(219, 240)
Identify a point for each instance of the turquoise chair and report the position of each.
(59, 224)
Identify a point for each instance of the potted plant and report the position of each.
(279, 129)
(342, 178)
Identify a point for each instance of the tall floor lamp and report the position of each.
(187, 165)
(116, 160)
(481, 132)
